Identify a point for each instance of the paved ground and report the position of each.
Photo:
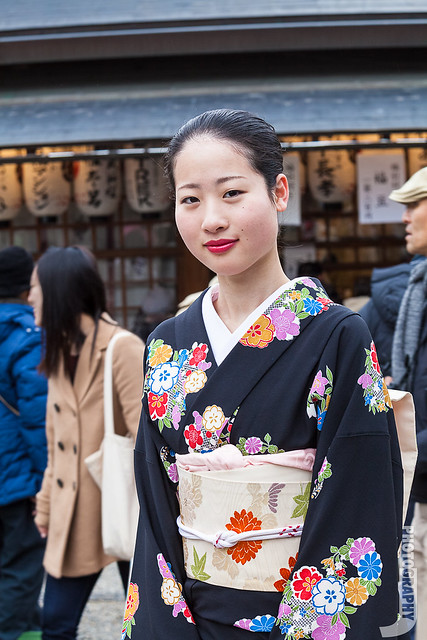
(103, 616)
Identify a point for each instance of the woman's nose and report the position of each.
(214, 219)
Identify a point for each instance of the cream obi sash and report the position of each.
(241, 517)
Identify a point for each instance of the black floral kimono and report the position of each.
(304, 375)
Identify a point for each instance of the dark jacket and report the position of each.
(22, 438)
(380, 313)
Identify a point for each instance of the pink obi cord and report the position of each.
(229, 457)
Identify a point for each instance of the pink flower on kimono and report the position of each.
(308, 282)
(365, 380)
(284, 610)
(253, 445)
(176, 416)
(327, 631)
(243, 623)
(319, 384)
(360, 548)
(285, 323)
(177, 607)
(173, 472)
(163, 566)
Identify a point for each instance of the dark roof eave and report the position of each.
(125, 41)
(68, 121)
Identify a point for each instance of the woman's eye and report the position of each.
(232, 193)
(189, 200)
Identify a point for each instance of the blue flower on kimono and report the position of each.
(262, 623)
(368, 399)
(328, 596)
(312, 307)
(183, 355)
(370, 566)
(320, 418)
(164, 377)
(284, 627)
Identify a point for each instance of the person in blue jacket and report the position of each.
(23, 454)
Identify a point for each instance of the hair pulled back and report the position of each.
(71, 285)
(250, 135)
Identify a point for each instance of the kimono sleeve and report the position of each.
(345, 581)
(156, 606)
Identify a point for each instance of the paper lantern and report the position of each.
(145, 185)
(331, 175)
(97, 186)
(10, 187)
(47, 187)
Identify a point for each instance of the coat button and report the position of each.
(61, 446)
(75, 448)
(74, 486)
(56, 407)
(60, 483)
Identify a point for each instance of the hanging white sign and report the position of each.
(377, 175)
(291, 217)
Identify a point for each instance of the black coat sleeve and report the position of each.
(344, 583)
(157, 606)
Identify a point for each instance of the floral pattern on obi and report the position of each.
(132, 604)
(171, 590)
(207, 505)
(319, 396)
(282, 319)
(318, 605)
(375, 390)
(171, 375)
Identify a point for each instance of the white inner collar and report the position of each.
(221, 338)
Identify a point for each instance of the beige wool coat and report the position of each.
(69, 502)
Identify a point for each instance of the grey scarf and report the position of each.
(407, 330)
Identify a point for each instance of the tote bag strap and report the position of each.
(108, 383)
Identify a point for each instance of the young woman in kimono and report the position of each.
(264, 404)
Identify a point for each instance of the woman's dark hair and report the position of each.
(249, 134)
(71, 285)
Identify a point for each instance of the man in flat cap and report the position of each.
(22, 449)
(397, 318)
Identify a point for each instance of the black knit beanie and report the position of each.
(16, 266)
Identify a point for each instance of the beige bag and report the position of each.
(404, 415)
(112, 468)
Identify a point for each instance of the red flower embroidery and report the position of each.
(157, 404)
(304, 581)
(192, 436)
(199, 354)
(244, 551)
(374, 358)
(325, 302)
(285, 573)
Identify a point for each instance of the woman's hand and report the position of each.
(42, 530)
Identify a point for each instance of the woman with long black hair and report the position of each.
(68, 298)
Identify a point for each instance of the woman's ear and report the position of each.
(281, 192)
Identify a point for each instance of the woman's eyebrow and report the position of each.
(227, 178)
(194, 185)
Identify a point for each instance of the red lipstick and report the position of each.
(220, 246)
